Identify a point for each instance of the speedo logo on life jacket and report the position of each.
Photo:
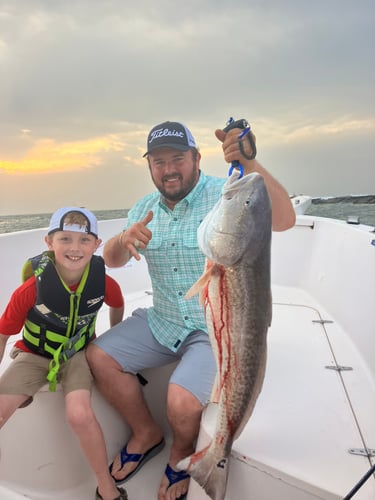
(92, 302)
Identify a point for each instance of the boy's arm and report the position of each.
(3, 343)
(14, 316)
(115, 315)
(115, 300)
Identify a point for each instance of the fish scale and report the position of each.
(235, 291)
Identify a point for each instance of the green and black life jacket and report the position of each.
(62, 322)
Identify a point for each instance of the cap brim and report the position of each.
(179, 147)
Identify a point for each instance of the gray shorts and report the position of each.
(28, 373)
(132, 344)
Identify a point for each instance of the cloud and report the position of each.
(85, 81)
(294, 132)
(48, 155)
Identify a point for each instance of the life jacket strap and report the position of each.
(77, 342)
(54, 367)
(66, 351)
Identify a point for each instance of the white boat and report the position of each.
(300, 203)
(312, 434)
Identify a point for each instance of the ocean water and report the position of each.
(11, 223)
(344, 207)
(335, 208)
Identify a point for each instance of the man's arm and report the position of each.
(119, 249)
(283, 213)
(115, 253)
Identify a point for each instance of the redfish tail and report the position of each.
(211, 475)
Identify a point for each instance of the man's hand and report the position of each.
(137, 236)
(232, 151)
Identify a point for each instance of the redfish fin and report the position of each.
(199, 285)
(211, 476)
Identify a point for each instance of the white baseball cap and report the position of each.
(57, 221)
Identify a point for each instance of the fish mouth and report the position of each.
(235, 183)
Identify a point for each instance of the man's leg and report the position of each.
(184, 414)
(115, 358)
(123, 391)
(188, 393)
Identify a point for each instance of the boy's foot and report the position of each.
(121, 496)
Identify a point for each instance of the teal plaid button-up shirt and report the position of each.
(174, 260)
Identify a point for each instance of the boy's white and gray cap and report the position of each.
(57, 221)
(173, 135)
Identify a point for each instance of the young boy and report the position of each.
(57, 308)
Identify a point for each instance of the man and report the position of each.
(163, 227)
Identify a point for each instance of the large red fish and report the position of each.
(236, 293)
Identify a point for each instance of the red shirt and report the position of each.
(24, 297)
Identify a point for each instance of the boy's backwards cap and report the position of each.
(57, 221)
(170, 135)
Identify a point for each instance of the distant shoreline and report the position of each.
(367, 199)
(334, 207)
(100, 214)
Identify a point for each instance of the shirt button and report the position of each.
(175, 269)
(173, 244)
(175, 219)
(186, 317)
(180, 293)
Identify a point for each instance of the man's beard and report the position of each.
(187, 186)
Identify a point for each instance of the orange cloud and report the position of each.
(47, 155)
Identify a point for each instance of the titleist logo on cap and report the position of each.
(164, 132)
(170, 135)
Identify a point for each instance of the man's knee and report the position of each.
(92, 354)
(180, 401)
(99, 361)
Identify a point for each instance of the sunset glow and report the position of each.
(48, 155)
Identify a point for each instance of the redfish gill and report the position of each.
(235, 289)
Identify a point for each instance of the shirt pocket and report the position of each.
(189, 235)
(189, 239)
(156, 241)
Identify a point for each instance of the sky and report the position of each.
(83, 81)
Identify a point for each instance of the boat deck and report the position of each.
(296, 421)
(296, 444)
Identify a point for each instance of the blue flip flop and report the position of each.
(174, 476)
(141, 458)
